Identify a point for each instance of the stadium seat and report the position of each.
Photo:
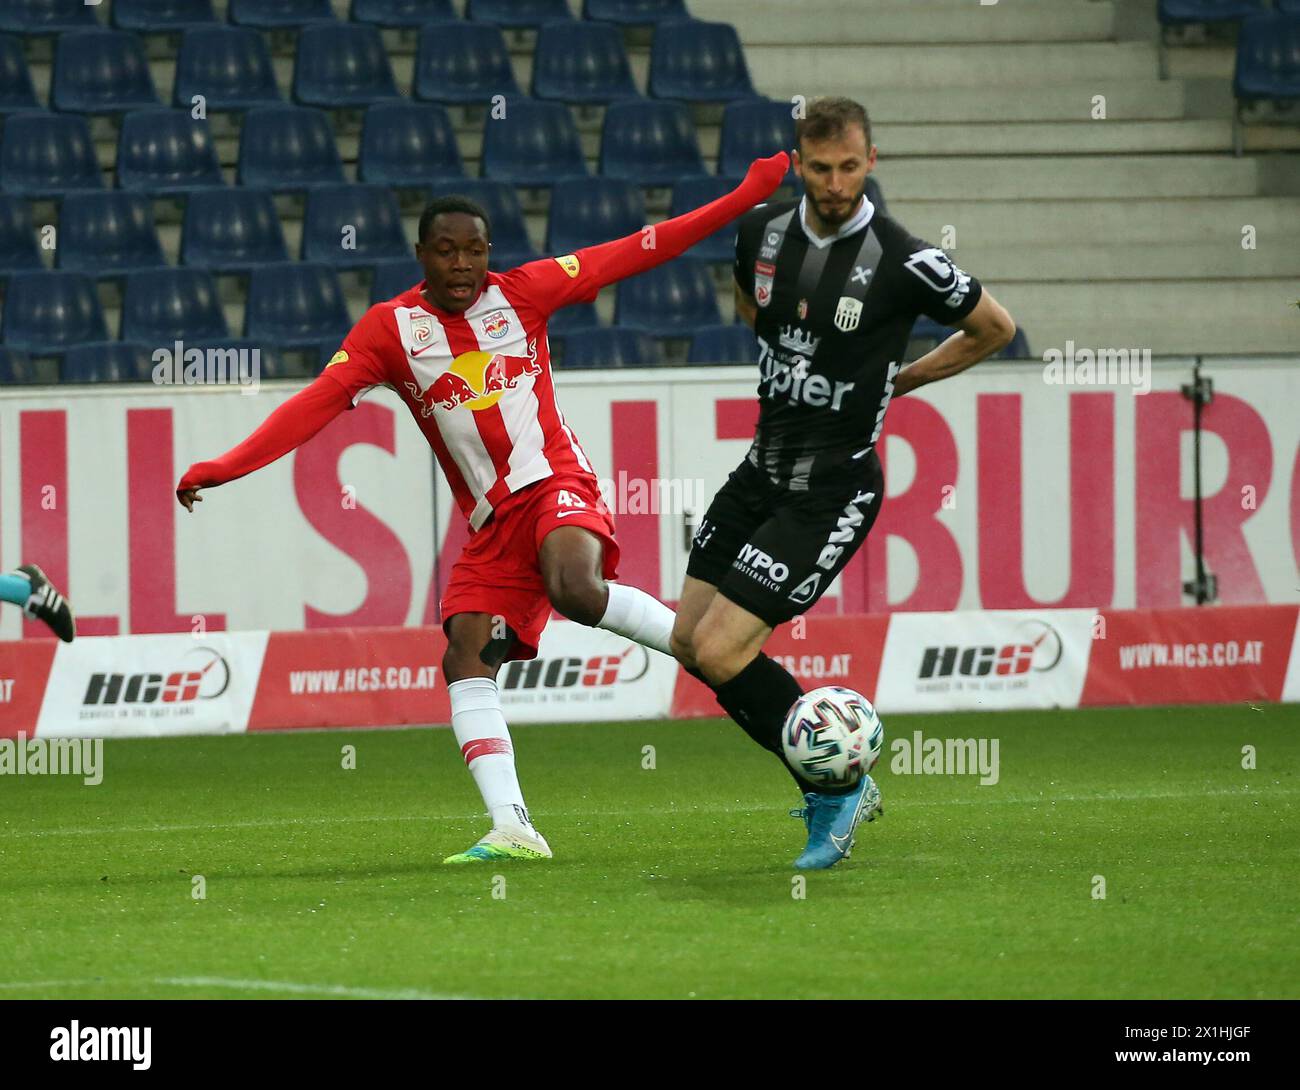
(698, 62)
(511, 245)
(754, 129)
(108, 361)
(673, 300)
(17, 369)
(276, 366)
(231, 230)
(401, 13)
(288, 147)
(724, 344)
(101, 71)
(46, 16)
(1268, 64)
(582, 63)
(408, 143)
(276, 14)
(166, 151)
(585, 212)
(18, 249)
(296, 306)
(574, 317)
(650, 143)
(350, 225)
(394, 277)
(534, 144)
(518, 13)
(16, 89)
(162, 306)
(1289, 7)
(459, 63)
(692, 193)
(229, 66)
(610, 347)
(342, 65)
(45, 312)
(634, 12)
(109, 232)
(153, 15)
(1178, 12)
(44, 154)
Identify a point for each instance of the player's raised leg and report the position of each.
(40, 600)
(477, 644)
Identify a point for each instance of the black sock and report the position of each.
(758, 698)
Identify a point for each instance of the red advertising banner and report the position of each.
(24, 668)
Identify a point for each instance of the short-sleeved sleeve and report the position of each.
(552, 283)
(935, 286)
(358, 366)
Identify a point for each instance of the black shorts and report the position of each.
(774, 551)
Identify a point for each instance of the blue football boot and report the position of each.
(831, 821)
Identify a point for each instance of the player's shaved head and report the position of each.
(455, 237)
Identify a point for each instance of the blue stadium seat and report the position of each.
(691, 193)
(296, 306)
(582, 63)
(46, 16)
(109, 232)
(1178, 12)
(698, 62)
(17, 369)
(44, 154)
(754, 129)
(407, 144)
(673, 300)
(587, 211)
(401, 13)
(611, 347)
(724, 344)
(18, 249)
(166, 151)
(162, 306)
(276, 366)
(510, 242)
(634, 12)
(16, 89)
(108, 361)
(1268, 64)
(229, 66)
(1289, 7)
(574, 317)
(288, 147)
(342, 65)
(370, 211)
(231, 230)
(458, 63)
(650, 143)
(394, 277)
(518, 13)
(152, 15)
(101, 71)
(45, 312)
(276, 14)
(534, 144)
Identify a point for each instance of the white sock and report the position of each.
(484, 741)
(638, 616)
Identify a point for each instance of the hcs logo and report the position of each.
(205, 677)
(476, 380)
(1038, 649)
(570, 672)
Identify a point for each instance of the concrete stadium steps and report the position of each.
(981, 223)
(826, 22)
(1108, 137)
(782, 71)
(1170, 317)
(1056, 177)
(1140, 100)
(1142, 262)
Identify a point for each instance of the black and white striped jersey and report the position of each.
(834, 317)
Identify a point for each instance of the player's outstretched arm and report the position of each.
(985, 330)
(287, 428)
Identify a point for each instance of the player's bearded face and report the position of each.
(454, 255)
(834, 173)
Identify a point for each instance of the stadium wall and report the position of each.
(1005, 491)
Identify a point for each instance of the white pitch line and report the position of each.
(338, 991)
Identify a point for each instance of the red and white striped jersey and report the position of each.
(479, 384)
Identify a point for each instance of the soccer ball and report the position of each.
(832, 735)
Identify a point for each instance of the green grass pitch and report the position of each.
(668, 882)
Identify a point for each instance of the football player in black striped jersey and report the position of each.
(832, 287)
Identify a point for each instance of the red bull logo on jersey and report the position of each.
(496, 325)
(475, 380)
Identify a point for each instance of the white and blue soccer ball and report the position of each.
(832, 736)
